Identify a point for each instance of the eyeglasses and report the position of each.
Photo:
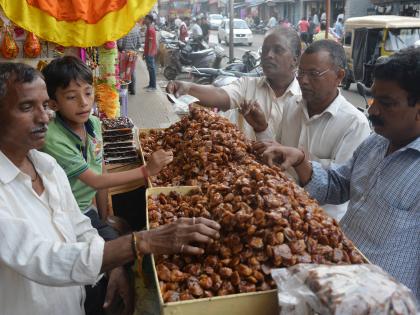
(312, 74)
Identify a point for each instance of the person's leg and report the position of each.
(132, 86)
(147, 59)
(152, 71)
(95, 295)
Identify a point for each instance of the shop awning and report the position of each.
(77, 23)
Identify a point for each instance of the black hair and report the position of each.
(150, 17)
(323, 26)
(16, 73)
(291, 36)
(61, 71)
(402, 67)
(335, 50)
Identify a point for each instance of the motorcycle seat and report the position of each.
(209, 71)
(202, 52)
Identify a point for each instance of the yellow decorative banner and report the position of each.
(112, 26)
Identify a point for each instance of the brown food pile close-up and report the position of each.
(267, 220)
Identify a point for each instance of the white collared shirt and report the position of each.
(329, 137)
(48, 251)
(258, 89)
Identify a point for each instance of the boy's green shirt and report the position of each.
(75, 157)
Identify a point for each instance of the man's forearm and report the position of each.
(210, 96)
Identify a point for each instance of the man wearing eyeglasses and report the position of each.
(324, 124)
(381, 179)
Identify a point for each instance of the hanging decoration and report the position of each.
(9, 48)
(32, 46)
(77, 23)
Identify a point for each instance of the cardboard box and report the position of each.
(261, 303)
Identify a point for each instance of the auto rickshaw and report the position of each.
(371, 38)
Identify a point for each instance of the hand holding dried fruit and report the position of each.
(254, 115)
(178, 236)
(158, 160)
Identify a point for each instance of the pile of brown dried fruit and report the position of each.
(267, 220)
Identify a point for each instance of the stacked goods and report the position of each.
(267, 221)
(118, 138)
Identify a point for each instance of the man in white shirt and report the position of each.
(49, 249)
(272, 22)
(324, 124)
(280, 57)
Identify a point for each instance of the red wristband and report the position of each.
(144, 171)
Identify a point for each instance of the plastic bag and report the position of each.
(9, 48)
(342, 290)
(32, 46)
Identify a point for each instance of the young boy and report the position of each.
(74, 137)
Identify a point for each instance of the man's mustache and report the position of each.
(42, 128)
(375, 120)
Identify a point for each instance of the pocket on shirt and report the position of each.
(400, 196)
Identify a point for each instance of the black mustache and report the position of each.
(376, 120)
(42, 128)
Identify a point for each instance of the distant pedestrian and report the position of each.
(205, 27)
(272, 22)
(303, 27)
(150, 51)
(196, 31)
(339, 28)
(183, 31)
(131, 42)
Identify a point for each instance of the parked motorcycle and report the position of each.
(248, 66)
(190, 55)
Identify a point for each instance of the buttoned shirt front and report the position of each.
(259, 89)
(48, 250)
(329, 137)
(383, 217)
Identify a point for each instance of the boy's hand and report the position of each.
(158, 160)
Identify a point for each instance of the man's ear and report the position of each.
(417, 111)
(296, 61)
(53, 104)
(341, 73)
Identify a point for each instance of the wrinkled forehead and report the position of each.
(276, 40)
(18, 92)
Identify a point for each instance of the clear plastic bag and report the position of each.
(341, 290)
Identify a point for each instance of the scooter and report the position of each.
(181, 60)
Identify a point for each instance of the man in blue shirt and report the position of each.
(339, 28)
(382, 179)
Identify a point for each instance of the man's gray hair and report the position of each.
(335, 50)
(291, 36)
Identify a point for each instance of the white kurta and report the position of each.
(258, 89)
(329, 137)
(48, 251)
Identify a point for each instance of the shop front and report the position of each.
(402, 7)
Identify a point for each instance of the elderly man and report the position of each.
(382, 178)
(324, 124)
(48, 249)
(280, 57)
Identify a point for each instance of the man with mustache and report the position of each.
(280, 56)
(381, 179)
(49, 249)
(324, 124)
